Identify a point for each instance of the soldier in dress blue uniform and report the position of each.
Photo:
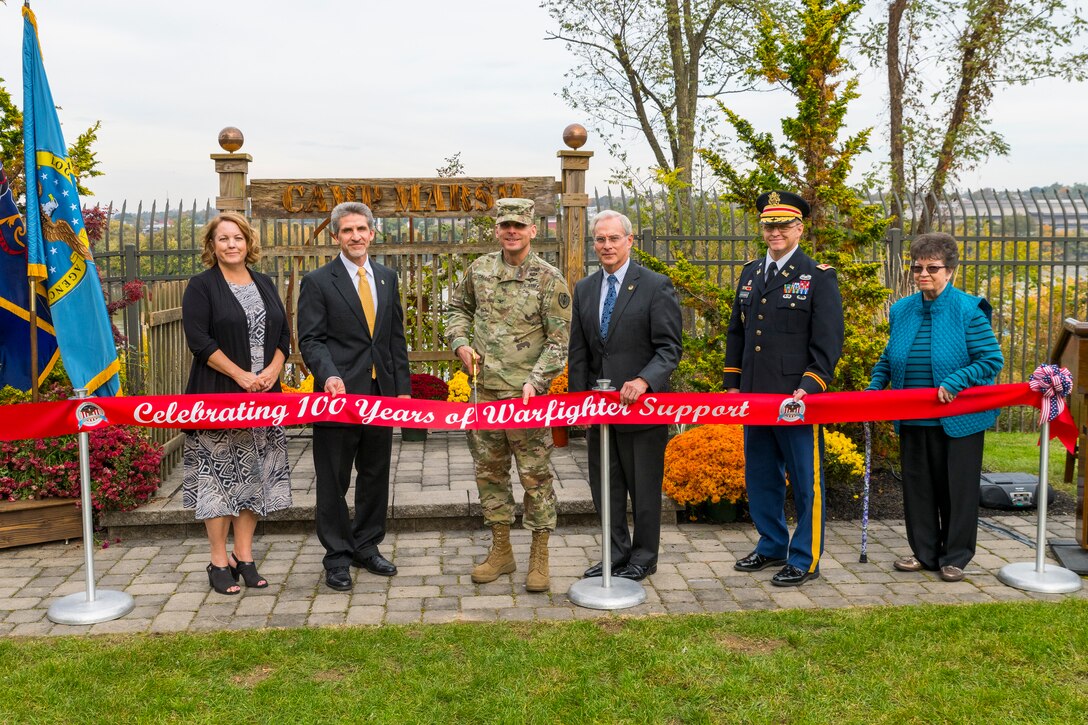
(785, 336)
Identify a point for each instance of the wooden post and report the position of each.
(233, 170)
(574, 200)
(1071, 351)
(133, 328)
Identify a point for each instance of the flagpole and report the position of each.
(28, 177)
(33, 308)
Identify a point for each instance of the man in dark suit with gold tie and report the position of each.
(625, 326)
(351, 334)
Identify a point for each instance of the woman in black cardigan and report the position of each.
(236, 328)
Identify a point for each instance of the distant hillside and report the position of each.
(1051, 191)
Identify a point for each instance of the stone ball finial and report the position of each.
(575, 136)
(231, 139)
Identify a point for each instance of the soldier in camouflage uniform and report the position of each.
(510, 318)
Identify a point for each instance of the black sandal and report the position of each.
(248, 572)
(222, 578)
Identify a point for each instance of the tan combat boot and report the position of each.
(500, 560)
(537, 580)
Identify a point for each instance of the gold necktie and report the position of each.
(367, 299)
(368, 310)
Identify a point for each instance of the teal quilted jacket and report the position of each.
(964, 354)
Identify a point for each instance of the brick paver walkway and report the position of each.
(438, 536)
(167, 579)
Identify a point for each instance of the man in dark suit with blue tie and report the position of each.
(785, 336)
(351, 334)
(625, 326)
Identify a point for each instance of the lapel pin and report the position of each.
(630, 287)
(383, 281)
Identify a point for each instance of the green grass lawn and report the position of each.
(1019, 452)
(1017, 662)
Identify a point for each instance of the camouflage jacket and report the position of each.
(516, 318)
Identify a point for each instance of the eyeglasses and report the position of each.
(771, 227)
(614, 239)
(931, 268)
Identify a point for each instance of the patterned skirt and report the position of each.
(229, 470)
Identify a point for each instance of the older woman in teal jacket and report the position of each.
(940, 338)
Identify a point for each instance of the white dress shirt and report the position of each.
(353, 270)
(620, 273)
(780, 263)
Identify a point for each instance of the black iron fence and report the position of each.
(1026, 251)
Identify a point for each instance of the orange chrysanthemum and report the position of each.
(706, 464)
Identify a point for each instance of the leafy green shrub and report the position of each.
(703, 359)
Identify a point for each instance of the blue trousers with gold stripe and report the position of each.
(771, 452)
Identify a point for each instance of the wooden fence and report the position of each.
(429, 256)
(165, 357)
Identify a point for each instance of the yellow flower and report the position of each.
(841, 457)
(306, 386)
(459, 388)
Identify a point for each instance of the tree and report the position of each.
(453, 166)
(945, 60)
(801, 52)
(645, 65)
(81, 152)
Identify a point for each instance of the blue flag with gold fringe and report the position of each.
(57, 244)
(15, 303)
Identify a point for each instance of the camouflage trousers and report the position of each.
(531, 449)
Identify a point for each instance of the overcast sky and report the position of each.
(367, 89)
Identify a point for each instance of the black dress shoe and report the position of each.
(338, 578)
(597, 569)
(635, 572)
(792, 576)
(376, 564)
(757, 562)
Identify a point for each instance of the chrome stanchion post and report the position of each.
(1041, 495)
(604, 592)
(1041, 577)
(92, 606)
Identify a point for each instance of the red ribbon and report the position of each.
(244, 410)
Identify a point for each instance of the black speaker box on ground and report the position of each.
(1010, 491)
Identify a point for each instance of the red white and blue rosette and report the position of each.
(1055, 383)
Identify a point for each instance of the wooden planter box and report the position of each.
(35, 522)
(413, 434)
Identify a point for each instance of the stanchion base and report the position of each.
(1051, 580)
(621, 593)
(75, 609)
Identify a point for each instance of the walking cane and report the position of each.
(864, 558)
